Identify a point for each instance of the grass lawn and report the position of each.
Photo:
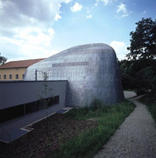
(87, 143)
(150, 101)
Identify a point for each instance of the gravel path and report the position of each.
(136, 137)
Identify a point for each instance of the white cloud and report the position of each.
(67, 1)
(95, 4)
(30, 42)
(122, 9)
(120, 48)
(76, 7)
(57, 17)
(27, 31)
(89, 16)
(40, 10)
(1, 5)
(89, 13)
(106, 2)
(35, 36)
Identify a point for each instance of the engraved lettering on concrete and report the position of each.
(70, 64)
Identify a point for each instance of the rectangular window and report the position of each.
(10, 76)
(23, 76)
(56, 99)
(5, 77)
(16, 76)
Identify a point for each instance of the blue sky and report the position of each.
(41, 28)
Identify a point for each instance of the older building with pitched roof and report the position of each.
(15, 70)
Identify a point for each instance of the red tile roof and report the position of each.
(20, 63)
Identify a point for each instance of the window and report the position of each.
(0, 76)
(5, 76)
(16, 76)
(56, 99)
(23, 76)
(10, 76)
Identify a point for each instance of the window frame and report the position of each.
(4, 76)
(10, 76)
(17, 76)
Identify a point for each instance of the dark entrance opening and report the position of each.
(19, 110)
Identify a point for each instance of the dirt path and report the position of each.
(136, 137)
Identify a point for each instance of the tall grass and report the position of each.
(89, 142)
(150, 101)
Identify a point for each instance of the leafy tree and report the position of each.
(143, 40)
(139, 70)
(2, 59)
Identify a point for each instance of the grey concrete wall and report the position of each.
(21, 92)
(91, 70)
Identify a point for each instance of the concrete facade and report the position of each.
(91, 70)
(14, 93)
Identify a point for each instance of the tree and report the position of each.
(143, 40)
(2, 59)
(139, 71)
(139, 75)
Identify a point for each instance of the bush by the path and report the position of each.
(150, 101)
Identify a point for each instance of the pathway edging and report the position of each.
(135, 138)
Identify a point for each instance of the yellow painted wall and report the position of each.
(13, 72)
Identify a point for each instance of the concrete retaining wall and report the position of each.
(22, 92)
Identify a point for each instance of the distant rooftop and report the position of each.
(20, 63)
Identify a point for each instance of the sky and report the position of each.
(40, 28)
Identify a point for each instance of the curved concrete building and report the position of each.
(92, 72)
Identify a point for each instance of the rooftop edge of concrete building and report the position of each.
(92, 72)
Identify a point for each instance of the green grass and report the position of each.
(150, 101)
(89, 142)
